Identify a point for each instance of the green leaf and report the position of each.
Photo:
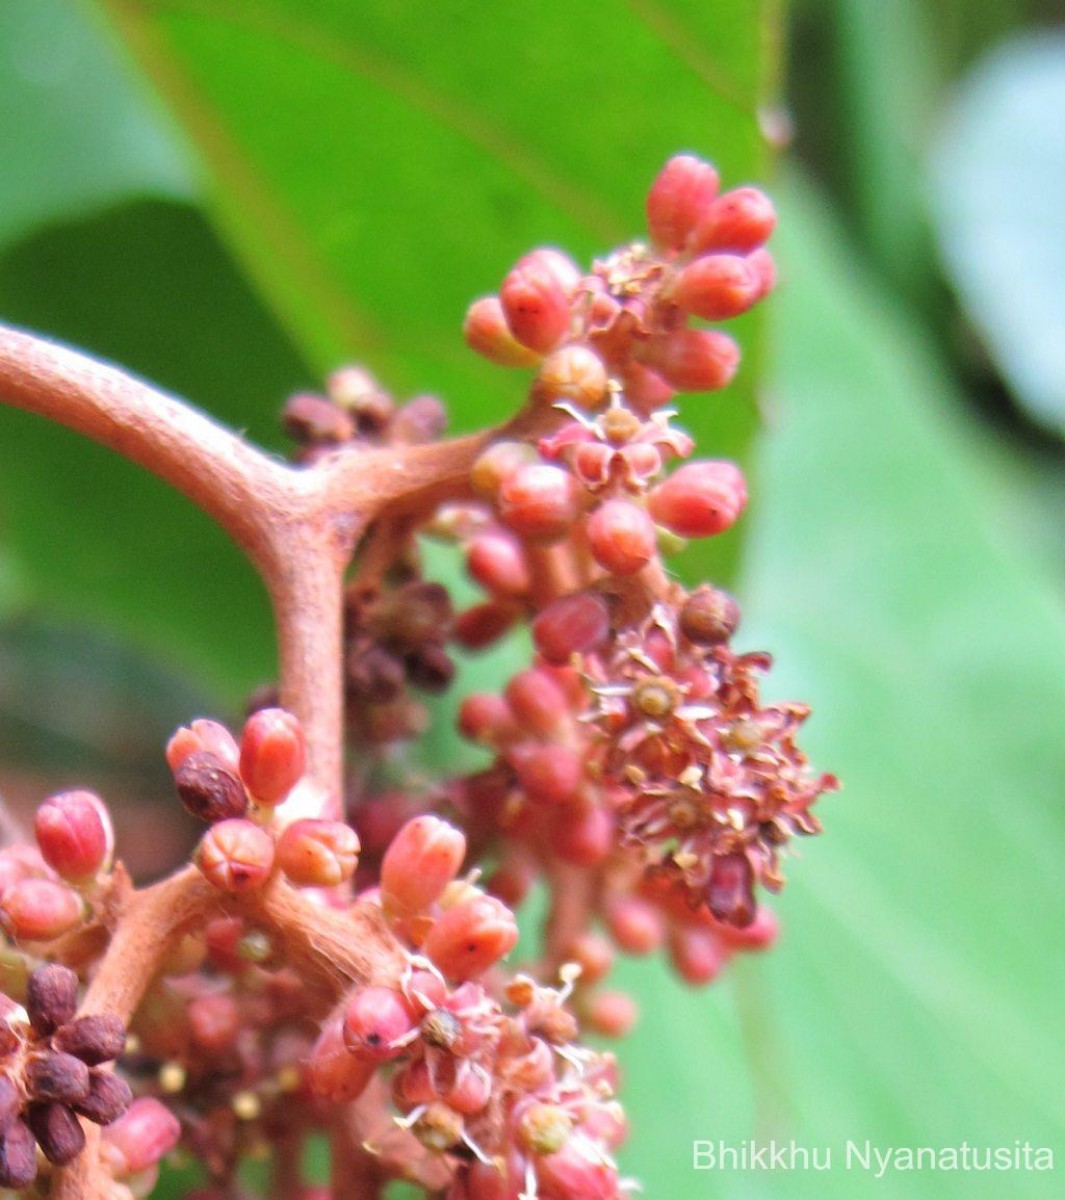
(75, 134)
(915, 998)
(999, 190)
(149, 287)
(379, 165)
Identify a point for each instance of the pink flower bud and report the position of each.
(539, 501)
(548, 774)
(612, 1014)
(423, 858)
(634, 924)
(482, 624)
(314, 420)
(471, 937)
(316, 853)
(700, 499)
(535, 303)
(764, 270)
(717, 286)
(578, 1172)
(273, 754)
(573, 375)
(740, 220)
(498, 463)
(762, 932)
(203, 735)
(74, 833)
(471, 1091)
(679, 199)
(583, 837)
(377, 1021)
(593, 954)
(496, 561)
(574, 624)
(486, 332)
(235, 856)
(644, 389)
(214, 1021)
(333, 1072)
(558, 264)
(39, 910)
(697, 954)
(485, 717)
(695, 360)
(141, 1137)
(621, 536)
(537, 701)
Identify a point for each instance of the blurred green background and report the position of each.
(230, 197)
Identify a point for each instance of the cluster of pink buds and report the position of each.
(493, 1095)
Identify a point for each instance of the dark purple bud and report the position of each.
(18, 1156)
(109, 1097)
(94, 1039)
(60, 1077)
(58, 1132)
(51, 997)
(730, 892)
(208, 789)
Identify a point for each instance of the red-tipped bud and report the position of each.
(316, 853)
(558, 264)
(700, 499)
(423, 858)
(471, 937)
(94, 1039)
(51, 997)
(38, 910)
(208, 788)
(593, 954)
(573, 375)
(203, 735)
(486, 332)
(730, 891)
(764, 270)
(578, 1172)
(214, 1021)
(635, 924)
(575, 624)
(109, 1097)
(377, 1022)
(709, 616)
(273, 754)
(584, 838)
(141, 1137)
(762, 932)
(697, 954)
(695, 360)
(549, 774)
(717, 286)
(612, 1014)
(496, 561)
(485, 717)
(18, 1156)
(481, 625)
(498, 463)
(333, 1071)
(539, 501)
(537, 701)
(471, 1091)
(58, 1132)
(679, 199)
(236, 856)
(621, 536)
(535, 303)
(74, 833)
(739, 221)
(646, 390)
